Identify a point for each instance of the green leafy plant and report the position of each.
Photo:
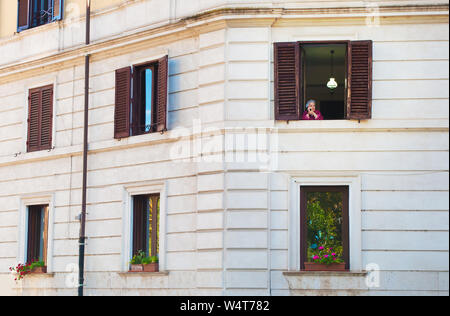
(142, 258)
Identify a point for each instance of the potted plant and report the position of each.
(143, 263)
(325, 259)
(34, 267)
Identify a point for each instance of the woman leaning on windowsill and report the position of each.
(311, 113)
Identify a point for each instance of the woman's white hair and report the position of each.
(309, 103)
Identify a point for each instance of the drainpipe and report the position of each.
(82, 240)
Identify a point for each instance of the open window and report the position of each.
(33, 13)
(141, 99)
(336, 74)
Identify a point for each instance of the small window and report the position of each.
(324, 222)
(33, 13)
(146, 224)
(141, 99)
(37, 232)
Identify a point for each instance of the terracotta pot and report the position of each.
(39, 270)
(137, 268)
(311, 266)
(151, 267)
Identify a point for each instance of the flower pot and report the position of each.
(38, 270)
(312, 266)
(137, 268)
(151, 267)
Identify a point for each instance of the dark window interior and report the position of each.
(320, 63)
(37, 233)
(146, 224)
(41, 12)
(144, 105)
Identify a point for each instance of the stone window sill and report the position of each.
(325, 273)
(150, 274)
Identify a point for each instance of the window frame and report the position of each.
(288, 103)
(29, 14)
(137, 98)
(142, 188)
(304, 190)
(146, 238)
(39, 243)
(350, 179)
(347, 61)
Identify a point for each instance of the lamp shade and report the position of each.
(332, 84)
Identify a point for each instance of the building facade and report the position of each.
(198, 154)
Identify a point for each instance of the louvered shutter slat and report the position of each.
(360, 80)
(46, 119)
(161, 101)
(34, 103)
(123, 101)
(287, 81)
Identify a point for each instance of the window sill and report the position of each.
(149, 274)
(325, 273)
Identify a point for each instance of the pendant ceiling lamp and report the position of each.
(332, 84)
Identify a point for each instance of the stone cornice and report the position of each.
(208, 21)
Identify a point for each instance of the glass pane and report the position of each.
(148, 98)
(324, 223)
(152, 216)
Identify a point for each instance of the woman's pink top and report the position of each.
(307, 117)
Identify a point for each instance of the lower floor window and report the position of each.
(37, 232)
(146, 225)
(324, 213)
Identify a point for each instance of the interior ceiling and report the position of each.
(320, 54)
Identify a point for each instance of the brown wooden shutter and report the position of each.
(161, 100)
(287, 81)
(46, 118)
(40, 119)
(140, 233)
(34, 120)
(123, 100)
(22, 15)
(359, 104)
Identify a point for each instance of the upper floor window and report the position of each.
(141, 99)
(32, 13)
(40, 118)
(323, 80)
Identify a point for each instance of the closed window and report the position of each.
(33, 13)
(336, 75)
(37, 232)
(40, 119)
(141, 99)
(146, 224)
(324, 220)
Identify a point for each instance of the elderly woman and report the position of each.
(311, 113)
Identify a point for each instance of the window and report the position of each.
(37, 232)
(33, 13)
(141, 99)
(40, 118)
(146, 217)
(304, 71)
(324, 220)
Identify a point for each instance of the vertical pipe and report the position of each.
(82, 240)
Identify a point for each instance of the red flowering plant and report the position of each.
(21, 270)
(326, 256)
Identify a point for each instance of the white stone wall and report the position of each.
(228, 224)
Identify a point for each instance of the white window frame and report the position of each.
(25, 202)
(355, 215)
(129, 192)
